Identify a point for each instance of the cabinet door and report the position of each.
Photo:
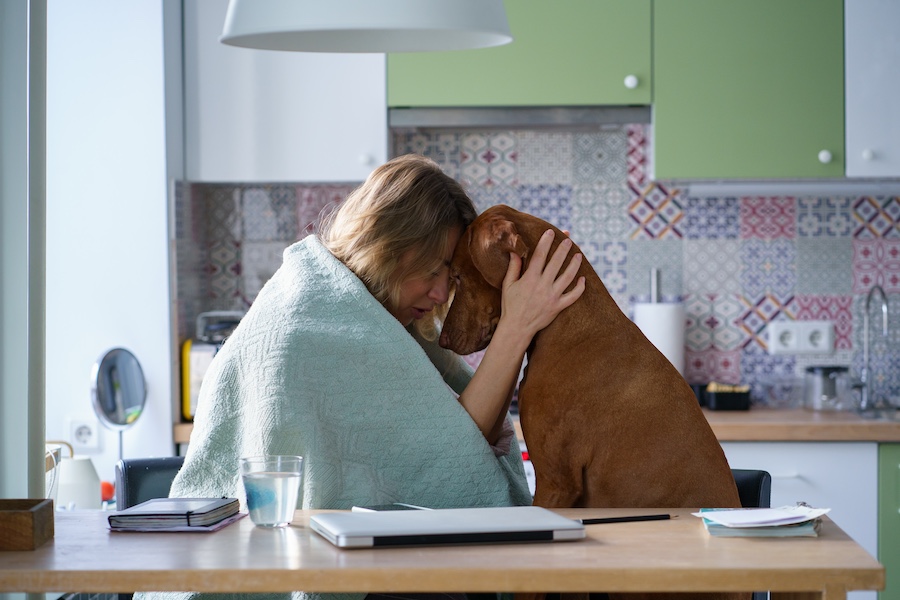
(748, 89)
(571, 53)
(261, 115)
(842, 476)
(889, 516)
(873, 88)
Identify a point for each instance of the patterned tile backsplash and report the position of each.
(737, 263)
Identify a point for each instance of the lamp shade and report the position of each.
(365, 25)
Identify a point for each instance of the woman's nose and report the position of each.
(440, 292)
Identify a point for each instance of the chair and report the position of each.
(755, 489)
(140, 479)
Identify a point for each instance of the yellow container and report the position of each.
(196, 357)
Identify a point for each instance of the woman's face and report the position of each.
(420, 294)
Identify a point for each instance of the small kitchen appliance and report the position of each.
(197, 354)
(828, 388)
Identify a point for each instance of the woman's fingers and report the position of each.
(513, 270)
(539, 260)
(569, 298)
(550, 270)
(565, 279)
(559, 257)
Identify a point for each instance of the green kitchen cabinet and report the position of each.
(572, 53)
(748, 90)
(889, 518)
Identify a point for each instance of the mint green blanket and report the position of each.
(320, 369)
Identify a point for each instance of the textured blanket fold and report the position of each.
(320, 369)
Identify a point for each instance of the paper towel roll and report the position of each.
(663, 324)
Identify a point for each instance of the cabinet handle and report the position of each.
(793, 475)
(824, 157)
(631, 81)
(868, 154)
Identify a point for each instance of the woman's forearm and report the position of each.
(490, 391)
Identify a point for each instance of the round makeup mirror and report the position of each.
(118, 390)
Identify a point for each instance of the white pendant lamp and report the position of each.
(365, 25)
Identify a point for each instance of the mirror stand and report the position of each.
(118, 391)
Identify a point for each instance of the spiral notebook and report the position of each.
(445, 526)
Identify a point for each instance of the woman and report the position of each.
(337, 361)
(417, 214)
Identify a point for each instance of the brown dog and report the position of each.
(608, 421)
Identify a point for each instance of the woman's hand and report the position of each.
(531, 301)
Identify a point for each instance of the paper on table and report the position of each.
(762, 517)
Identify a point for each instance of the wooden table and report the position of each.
(675, 555)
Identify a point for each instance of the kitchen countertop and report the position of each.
(762, 425)
(799, 425)
(795, 425)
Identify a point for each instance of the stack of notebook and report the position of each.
(785, 521)
(176, 514)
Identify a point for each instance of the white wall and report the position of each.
(107, 235)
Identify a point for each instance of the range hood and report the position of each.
(517, 117)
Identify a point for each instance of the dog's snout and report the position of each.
(455, 340)
(444, 340)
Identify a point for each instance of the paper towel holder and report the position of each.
(662, 323)
(654, 285)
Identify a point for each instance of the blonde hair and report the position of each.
(406, 204)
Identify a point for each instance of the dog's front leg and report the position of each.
(558, 482)
(548, 496)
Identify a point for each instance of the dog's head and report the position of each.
(478, 267)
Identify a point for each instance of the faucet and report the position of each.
(865, 401)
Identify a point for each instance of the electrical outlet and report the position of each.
(800, 337)
(783, 337)
(816, 337)
(84, 434)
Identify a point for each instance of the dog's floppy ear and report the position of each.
(490, 246)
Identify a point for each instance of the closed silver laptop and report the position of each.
(445, 526)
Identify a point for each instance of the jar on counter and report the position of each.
(829, 388)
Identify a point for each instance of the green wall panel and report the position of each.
(747, 89)
(889, 518)
(569, 53)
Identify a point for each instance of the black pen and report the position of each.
(628, 519)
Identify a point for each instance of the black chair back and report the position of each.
(140, 479)
(754, 487)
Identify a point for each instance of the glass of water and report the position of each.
(272, 484)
